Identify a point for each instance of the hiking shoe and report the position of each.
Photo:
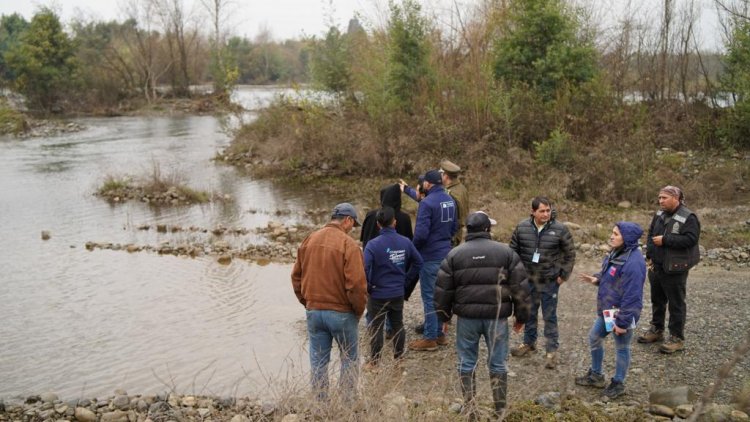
(591, 379)
(522, 350)
(419, 329)
(442, 341)
(651, 336)
(550, 360)
(614, 390)
(423, 345)
(673, 344)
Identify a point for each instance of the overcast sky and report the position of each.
(295, 18)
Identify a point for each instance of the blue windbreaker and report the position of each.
(436, 224)
(622, 277)
(390, 259)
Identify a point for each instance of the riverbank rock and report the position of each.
(672, 397)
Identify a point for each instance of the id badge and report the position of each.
(535, 258)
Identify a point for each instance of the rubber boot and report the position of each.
(499, 383)
(468, 388)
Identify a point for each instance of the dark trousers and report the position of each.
(393, 309)
(668, 291)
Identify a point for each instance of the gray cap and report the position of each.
(346, 209)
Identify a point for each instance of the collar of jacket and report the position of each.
(547, 224)
(435, 189)
(336, 225)
(388, 229)
(478, 235)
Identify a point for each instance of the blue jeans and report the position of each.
(427, 279)
(622, 349)
(468, 333)
(322, 328)
(544, 294)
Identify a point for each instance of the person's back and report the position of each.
(321, 268)
(390, 259)
(328, 278)
(482, 282)
(436, 224)
(478, 266)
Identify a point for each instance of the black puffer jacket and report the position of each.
(482, 279)
(557, 253)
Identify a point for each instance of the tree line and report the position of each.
(532, 92)
(157, 50)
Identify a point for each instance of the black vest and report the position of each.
(678, 260)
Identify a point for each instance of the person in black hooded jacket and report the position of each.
(390, 196)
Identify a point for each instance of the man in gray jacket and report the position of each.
(547, 250)
(481, 282)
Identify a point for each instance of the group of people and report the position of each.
(461, 270)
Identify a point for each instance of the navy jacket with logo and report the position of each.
(436, 224)
(390, 260)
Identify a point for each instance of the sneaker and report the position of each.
(419, 329)
(673, 344)
(591, 379)
(522, 350)
(423, 345)
(614, 390)
(442, 341)
(550, 360)
(651, 336)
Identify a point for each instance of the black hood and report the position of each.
(390, 196)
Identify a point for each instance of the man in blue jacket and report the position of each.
(435, 227)
(390, 260)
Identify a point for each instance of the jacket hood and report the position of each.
(631, 233)
(390, 196)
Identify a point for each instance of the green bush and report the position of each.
(556, 151)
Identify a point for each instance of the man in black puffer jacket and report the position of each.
(483, 282)
(547, 250)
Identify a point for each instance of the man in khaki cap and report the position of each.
(459, 193)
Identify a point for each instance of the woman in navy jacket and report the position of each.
(620, 284)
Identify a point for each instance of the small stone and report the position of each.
(84, 415)
(684, 410)
(45, 235)
(203, 412)
(661, 410)
(455, 408)
(116, 416)
(239, 418)
(268, 409)
(189, 401)
(121, 402)
(624, 204)
(737, 415)
(48, 397)
(225, 259)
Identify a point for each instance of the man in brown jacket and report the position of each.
(329, 280)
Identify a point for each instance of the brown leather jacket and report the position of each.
(329, 273)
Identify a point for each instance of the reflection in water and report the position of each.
(84, 323)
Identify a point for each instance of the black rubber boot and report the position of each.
(468, 388)
(499, 383)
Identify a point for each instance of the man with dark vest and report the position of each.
(672, 249)
(459, 193)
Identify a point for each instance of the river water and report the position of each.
(84, 323)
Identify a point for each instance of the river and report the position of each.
(83, 323)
